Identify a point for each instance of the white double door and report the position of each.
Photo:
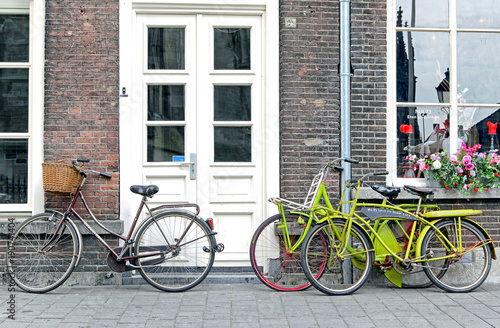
(195, 111)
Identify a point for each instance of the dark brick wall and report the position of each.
(81, 94)
(309, 91)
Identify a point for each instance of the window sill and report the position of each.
(439, 193)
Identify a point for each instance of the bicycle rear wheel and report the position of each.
(275, 266)
(176, 251)
(39, 260)
(332, 270)
(464, 272)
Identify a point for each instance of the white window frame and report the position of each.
(392, 103)
(36, 10)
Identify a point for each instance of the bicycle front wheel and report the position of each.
(465, 271)
(175, 251)
(272, 261)
(39, 259)
(335, 270)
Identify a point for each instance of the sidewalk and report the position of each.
(251, 305)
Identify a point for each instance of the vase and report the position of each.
(429, 177)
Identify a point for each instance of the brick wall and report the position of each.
(309, 91)
(81, 94)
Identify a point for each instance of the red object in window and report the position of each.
(492, 128)
(406, 128)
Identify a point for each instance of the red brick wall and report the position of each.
(81, 94)
(309, 91)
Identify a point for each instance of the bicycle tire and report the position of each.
(463, 274)
(184, 265)
(343, 274)
(276, 267)
(38, 269)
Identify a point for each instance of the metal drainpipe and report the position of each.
(345, 94)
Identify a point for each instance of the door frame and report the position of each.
(269, 10)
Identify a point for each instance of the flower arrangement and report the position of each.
(468, 170)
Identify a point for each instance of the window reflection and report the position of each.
(13, 171)
(165, 142)
(480, 127)
(14, 99)
(232, 48)
(479, 67)
(166, 48)
(478, 14)
(423, 13)
(422, 58)
(14, 38)
(166, 102)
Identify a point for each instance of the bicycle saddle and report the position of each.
(389, 192)
(418, 191)
(147, 191)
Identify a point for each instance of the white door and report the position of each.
(196, 120)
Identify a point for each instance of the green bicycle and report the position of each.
(275, 246)
(453, 250)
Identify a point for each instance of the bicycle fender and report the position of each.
(78, 234)
(477, 225)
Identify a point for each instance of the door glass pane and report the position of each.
(166, 48)
(422, 13)
(232, 103)
(482, 14)
(14, 38)
(422, 61)
(166, 103)
(165, 142)
(13, 171)
(421, 131)
(14, 99)
(232, 48)
(233, 144)
(479, 67)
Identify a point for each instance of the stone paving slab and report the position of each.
(250, 305)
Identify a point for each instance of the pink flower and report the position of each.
(469, 167)
(467, 159)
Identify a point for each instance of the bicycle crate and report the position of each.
(60, 178)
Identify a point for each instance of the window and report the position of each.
(21, 86)
(444, 86)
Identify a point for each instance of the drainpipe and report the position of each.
(345, 95)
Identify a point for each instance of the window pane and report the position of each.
(479, 126)
(14, 99)
(479, 67)
(482, 14)
(166, 103)
(14, 38)
(13, 171)
(422, 60)
(233, 144)
(164, 142)
(232, 103)
(232, 48)
(420, 131)
(166, 48)
(425, 13)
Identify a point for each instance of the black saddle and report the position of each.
(147, 191)
(389, 192)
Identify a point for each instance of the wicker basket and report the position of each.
(60, 178)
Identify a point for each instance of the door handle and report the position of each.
(192, 166)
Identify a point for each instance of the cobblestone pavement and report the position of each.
(250, 305)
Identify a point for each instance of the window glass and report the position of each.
(482, 14)
(231, 48)
(13, 171)
(422, 59)
(479, 126)
(165, 142)
(166, 103)
(166, 48)
(232, 103)
(420, 131)
(422, 13)
(479, 67)
(14, 100)
(14, 38)
(233, 144)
